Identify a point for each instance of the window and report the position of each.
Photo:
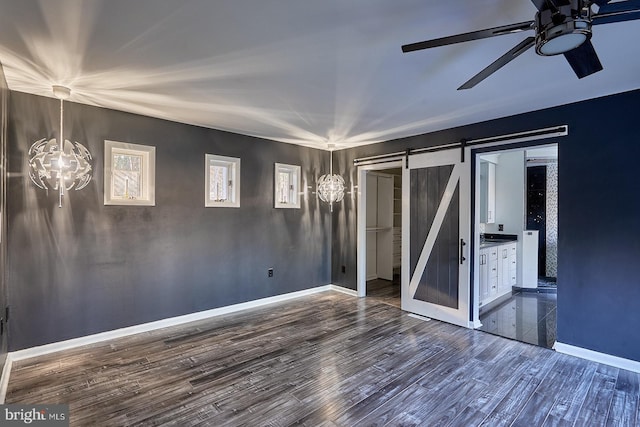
(287, 186)
(129, 174)
(222, 181)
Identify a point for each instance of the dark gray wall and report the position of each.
(4, 109)
(599, 215)
(88, 268)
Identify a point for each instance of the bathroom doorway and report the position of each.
(517, 257)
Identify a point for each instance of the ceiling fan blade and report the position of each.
(474, 35)
(549, 4)
(500, 62)
(618, 12)
(539, 4)
(584, 60)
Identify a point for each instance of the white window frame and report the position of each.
(233, 167)
(148, 154)
(294, 193)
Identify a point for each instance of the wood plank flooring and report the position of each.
(385, 291)
(325, 360)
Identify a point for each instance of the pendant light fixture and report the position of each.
(59, 164)
(331, 187)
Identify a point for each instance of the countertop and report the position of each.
(495, 243)
(488, 240)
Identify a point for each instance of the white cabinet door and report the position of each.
(503, 268)
(497, 271)
(484, 275)
(491, 193)
(488, 274)
(487, 192)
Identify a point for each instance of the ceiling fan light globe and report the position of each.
(562, 44)
(557, 39)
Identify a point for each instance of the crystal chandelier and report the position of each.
(331, 187)
(58, 165)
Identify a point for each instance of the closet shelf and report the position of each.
(378, 228)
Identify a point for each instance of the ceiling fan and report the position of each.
(561, 27)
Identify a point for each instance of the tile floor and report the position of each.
(527, 316)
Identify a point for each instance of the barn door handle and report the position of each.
(462, 244)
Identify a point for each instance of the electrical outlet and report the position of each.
(270, 272)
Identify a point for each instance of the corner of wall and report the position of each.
(4, 106)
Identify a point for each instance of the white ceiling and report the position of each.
(303, 72)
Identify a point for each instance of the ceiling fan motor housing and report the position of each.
(562, 28)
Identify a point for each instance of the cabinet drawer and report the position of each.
(493, 269)
(493, 285)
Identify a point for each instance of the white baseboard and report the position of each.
(476, 324)
(164, 323)
(594, 356)
(4, 380)
(343, 290)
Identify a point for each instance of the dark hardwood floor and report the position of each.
(325, 360)
(385, 291)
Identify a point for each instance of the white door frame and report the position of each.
(498, 147)
(361, 226)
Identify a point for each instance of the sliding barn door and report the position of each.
(436, 228)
